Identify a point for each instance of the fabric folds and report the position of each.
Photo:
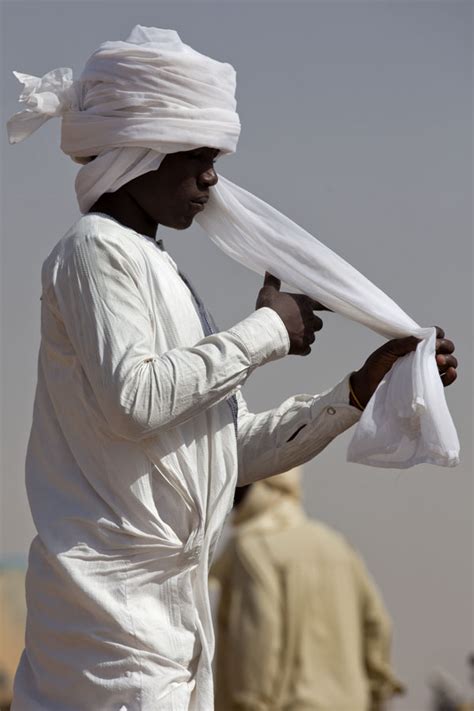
(407, 421)
(140, 99)
(148, 95)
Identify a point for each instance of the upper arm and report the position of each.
(99, 287)
(104, 314)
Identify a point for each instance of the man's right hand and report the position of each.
(295, 310)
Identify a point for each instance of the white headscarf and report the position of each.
(134, 102)
(151, 95)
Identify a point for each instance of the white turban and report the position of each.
(151, 95)
(134, 102)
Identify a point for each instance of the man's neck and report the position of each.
(122, 208)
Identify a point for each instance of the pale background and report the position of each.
(357, 124)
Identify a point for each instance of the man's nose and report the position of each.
(208, 178)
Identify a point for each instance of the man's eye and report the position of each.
(199, 155)
(192, 155)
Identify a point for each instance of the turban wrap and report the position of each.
(151, 95)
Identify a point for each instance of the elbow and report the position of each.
(129, 426)
(135, 419)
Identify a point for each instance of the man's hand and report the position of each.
(365, 381)
(296, 312)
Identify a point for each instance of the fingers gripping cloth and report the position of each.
(151, 95)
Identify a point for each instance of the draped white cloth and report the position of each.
(131, 469)
(407, 421)
(151, 95)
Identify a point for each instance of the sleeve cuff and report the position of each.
(336, 404)
(263, 335)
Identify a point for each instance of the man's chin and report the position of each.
(184, 223)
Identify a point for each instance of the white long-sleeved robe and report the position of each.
(131, 467)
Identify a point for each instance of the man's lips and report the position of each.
(199, 203)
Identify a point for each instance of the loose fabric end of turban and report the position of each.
(44, 97)
(407, 420)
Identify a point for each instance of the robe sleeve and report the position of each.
(377, 632)
(251, 612)
(277, 440)
(140, 391)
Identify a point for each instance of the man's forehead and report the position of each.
(213, 152)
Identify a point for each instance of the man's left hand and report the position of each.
(364, 382)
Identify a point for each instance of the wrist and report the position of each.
(358, 395)
(264, 299)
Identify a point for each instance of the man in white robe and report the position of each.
(139, 436)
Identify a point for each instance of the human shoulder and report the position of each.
(95, 238)
(99, 231)
(329, 541)
(309, 539)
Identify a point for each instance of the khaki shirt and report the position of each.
(301, 625)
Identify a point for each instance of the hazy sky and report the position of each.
(357, 124)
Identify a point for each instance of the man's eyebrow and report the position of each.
(202, 149)
(205, 151)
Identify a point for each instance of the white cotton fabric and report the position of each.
(131, 468)
(112, 169)
(148, 95)
(153, 92)
(407, 421)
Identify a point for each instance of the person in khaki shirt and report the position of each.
(301, 625)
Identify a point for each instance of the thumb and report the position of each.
(271, 280)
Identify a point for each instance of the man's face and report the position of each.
(175, 193)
